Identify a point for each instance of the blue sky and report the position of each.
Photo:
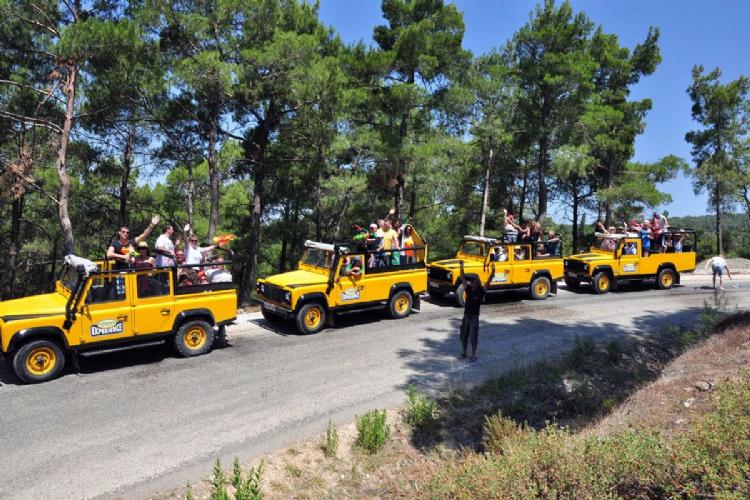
(714, 34)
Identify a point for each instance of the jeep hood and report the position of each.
(49, 304)
(296, 279)
(454, 264)
(591, 257)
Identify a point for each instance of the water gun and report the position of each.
(223, 239)
(362, 233)
(129, 251)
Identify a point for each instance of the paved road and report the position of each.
(129, 425)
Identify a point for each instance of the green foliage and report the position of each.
(219, 483)
(421, 411)
(711, 459)
(249, 487)
(331, 444)
(372, 431)
(189, 493)
(582, 351)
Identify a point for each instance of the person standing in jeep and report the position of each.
(121, 248)
(470, 322)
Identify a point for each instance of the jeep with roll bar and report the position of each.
(96, 309)
(618, 258)
(533, 266)
(340, 278)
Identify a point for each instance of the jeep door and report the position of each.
(353, 289)
(106, 312)
(629, 264)
(154, 304)
(522, 264)
(502, 268)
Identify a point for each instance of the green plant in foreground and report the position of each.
(247, 488)
(189, 493)
(372, 430)
(219, 483)
(331, 444)
(421, 412)
(583, 349)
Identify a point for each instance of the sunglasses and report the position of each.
(123, 231)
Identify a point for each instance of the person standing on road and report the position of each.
(718, 265)
(470, 322)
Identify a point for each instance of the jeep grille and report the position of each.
(576, 266)
(274, 293)
(438, 274)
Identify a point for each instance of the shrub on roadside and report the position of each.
(372, 430)
(421, 412)
(247, 488)
(711, 459)
(331, 444)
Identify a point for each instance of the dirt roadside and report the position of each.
(662, 385)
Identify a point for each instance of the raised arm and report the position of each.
(154, 221)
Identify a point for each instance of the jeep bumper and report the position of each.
(439, 286)
(277, 309)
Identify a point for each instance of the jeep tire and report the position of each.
(540, 287)
(460, 295)
(311, 318)
(601, 283)
(400, 304)
(38, 361)
(572, 283)
(194, 338)
(665, 279)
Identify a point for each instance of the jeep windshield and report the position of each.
(472, 248)
(321, 259)
(68, 277)
(604, 244)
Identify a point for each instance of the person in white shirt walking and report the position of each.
(718, 265)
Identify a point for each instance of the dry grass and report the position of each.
(596, 391)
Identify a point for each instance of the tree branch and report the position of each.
(47, 94)
(31, 120)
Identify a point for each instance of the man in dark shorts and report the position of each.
(470, 323)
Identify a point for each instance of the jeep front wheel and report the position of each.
(38, 361)
(460, 295)
(194, 338)
(540, 288)
(665, 279)
(311, 318)
(601, 283)
(400, 304)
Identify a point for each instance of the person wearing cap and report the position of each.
(144, 259)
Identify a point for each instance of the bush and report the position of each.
(247, 488)
(583, 349)
(372, 430)
(331, 444)
(711, 459)
(421, 412)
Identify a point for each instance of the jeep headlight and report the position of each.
(288, 297)
(585, 267)
(565, 262)
(450, 276)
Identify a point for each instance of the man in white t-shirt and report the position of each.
(718, 265)
(195, 254)
(164, 244)
(217, 273)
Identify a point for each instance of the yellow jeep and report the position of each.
(618, 258)
(337, 278)
(99, 311)
(536, 266)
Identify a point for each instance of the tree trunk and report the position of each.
(190, 196)
(486, 189)
(398, 201)
(53, 267)
(213, 174)
(255, 154)
(719, 243)
(576, 201)
(522, 200)
(14, 247)
(127, 166)
(318, 193)
(542, 167)
(65, 225)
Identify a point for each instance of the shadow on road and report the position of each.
(527, 345)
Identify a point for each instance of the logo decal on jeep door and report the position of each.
(350, 294)
(107, 327)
